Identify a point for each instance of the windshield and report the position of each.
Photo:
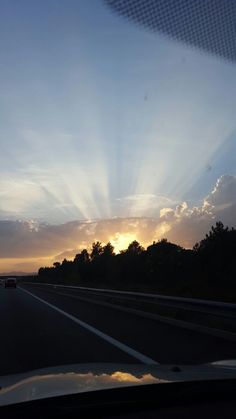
(117, 183)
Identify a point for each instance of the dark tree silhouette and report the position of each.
(108, 250)
(56, 265)
(135, 248)
(82, 258)
(216, 236)
(206, 271)
(96, 250)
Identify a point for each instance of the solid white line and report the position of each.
(135, 354)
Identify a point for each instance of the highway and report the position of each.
(41, 327)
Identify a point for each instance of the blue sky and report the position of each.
(101, 118)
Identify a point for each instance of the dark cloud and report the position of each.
(188, 225)
(182, 224)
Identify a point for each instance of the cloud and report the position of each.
(67, 254)
(223, 196)
(188, 225)
(30, 244)
(34, 243)
(139, 205)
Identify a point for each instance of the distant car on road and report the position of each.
(10, 283)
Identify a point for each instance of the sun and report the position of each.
(121, 241)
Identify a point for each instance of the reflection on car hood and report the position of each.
(78, 378)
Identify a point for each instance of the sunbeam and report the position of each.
(109, 132)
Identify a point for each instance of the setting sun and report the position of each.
(122, 241)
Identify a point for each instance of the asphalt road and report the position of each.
(41, 328)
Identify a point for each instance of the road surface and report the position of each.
(42, 327)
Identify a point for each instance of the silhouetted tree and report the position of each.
(96, 250)
(108, 250)
(164, 262)
(216, 253)
(82, 258)
(216, 236)
(135, 248)
(56, 265)
(209, 270)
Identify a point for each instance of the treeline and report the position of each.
(206, 271)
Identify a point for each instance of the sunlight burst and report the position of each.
(121, 241)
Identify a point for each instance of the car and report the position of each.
(10, 283)
(127, 391)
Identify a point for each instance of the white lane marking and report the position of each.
(130, 351)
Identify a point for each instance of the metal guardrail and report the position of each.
(219, 309)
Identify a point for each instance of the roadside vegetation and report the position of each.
(206, 271)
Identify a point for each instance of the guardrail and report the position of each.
(217, 308)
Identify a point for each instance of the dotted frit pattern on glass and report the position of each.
(209, 25)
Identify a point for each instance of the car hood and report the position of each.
(78, 378)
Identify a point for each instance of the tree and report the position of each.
(56, 265)
(135, 248)
(41, 271)
(82, 258)
(216, 252)
(216, 235)
(108, 250)
(164, 259)
(96, 250)
(209, 270)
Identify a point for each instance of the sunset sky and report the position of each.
(108, 132)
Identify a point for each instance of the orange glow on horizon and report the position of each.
(120, 233)
(27, 265)
(121, 241)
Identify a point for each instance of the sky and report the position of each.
(108, 132)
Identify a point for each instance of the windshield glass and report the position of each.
(117, 183)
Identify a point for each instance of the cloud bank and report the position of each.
(27, 245)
